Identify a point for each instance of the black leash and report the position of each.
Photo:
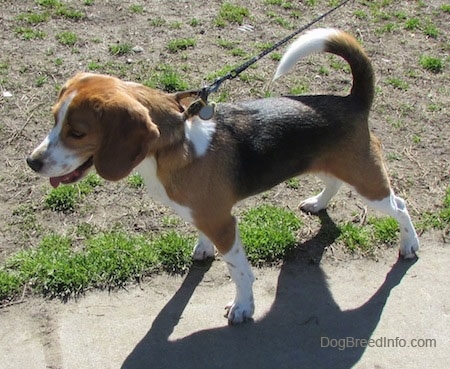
(206, 111)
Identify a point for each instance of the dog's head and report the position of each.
(98, 122)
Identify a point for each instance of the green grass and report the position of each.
(66, 198)
(135, 180)
(10, 284)
(268, 233)
(384, 229)
(120, 49)
(49, 3)
(108, 260)
(57, 8)
(67, 38)
(136, 8)
(439, 219)
(194, 22)
(412, 24)
(398, 83)
(27, 33)
(231, 14)
(365, 238)
(431, 63)
(180, 44)
(293, 183)
(299, 88)
(157, 22)
(25, 220)
(167, 78)
(40, 81)
(69, 13)
(431, 30)
(34, 18)
(279, 20)
(354, 237)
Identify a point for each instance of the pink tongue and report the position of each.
(55, 181)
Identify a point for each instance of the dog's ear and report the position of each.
(185, 98)
(127, 134)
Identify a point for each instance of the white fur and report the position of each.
(319, 202)
(148, 170)
(311, 42)
(395, 207)
(204, 249)
(200, 133)
(58, 160)
(243, 306)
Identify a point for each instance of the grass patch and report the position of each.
(67, 38)
(10, 285)
(27, 33)
(181, 44)
(57, 8)
(384, 229)
(412, 24)
(268, 233)
(108, 260)
(299, 88)
(136, 8)
(365, 238)
(398, 83)
(439, 219)
(431, 63)
(230, 13)
(120, 49)
(157, 22)
(25, 220)
(173, 251)
(167, 78)
(354, 237)
(65, 198)
(135, 180)
(34, 18)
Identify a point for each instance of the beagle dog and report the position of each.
(201, 168)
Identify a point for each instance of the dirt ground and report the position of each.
(412, 122)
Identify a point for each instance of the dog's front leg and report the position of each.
(243, 306)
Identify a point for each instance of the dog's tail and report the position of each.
(340, 43)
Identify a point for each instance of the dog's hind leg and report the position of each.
(395, 207)
(319, 202)
(367, 174)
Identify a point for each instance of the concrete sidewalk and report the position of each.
(178, 322)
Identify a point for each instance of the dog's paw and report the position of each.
(313, 204)
(203, 250)
(239, 312)
(408, 249)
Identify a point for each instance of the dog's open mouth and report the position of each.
(73, 176)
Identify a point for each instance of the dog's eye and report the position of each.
(76, 134)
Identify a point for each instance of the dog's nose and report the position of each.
(34, 164)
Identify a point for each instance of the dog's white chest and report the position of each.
(148, 170)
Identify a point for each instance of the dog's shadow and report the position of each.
(302, 320)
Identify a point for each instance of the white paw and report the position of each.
(239, 312)
(409, 248)
(313, 204)
(204, 249)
